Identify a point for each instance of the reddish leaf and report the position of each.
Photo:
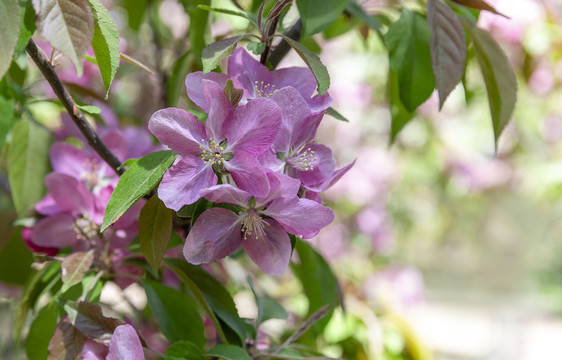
(479, 5)
(90, 321)
(74, 267)
(67, 342)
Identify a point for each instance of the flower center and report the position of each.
(253, 225)
(90, 173)
(303, 161)
(264, 90)
(85, 228)
(212, 152)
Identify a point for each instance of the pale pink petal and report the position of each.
(301, 217)
(247, 70)
(54, 231)
(48, 206)
(319, 160)
(181, 184)
(319, 103)
(220, 109)
(271, 252)
(216, 234)
(226, 193)
(280, 185)
(125, 344)
(253, 126)
(270, 160)
(178, 129)
(248, 174)
(300, 78)
(139, 141)
(313, 196)
(94, 351)
(69, 194)
(68, 159)
(194, 86)
(331, 180)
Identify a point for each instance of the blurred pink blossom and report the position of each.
(396, 285)
(375, 223)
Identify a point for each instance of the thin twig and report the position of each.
(89, 133)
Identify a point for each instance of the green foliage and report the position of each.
(400, 116)
(136, 10)
(175, 313)
(136, 182)
(213, 53)
(68, 25)
(335, 114)
(408, 43)
(359, 13)
(238, 13)
(105, 43)
(27, 26)
(28, 163)
(267, 308)
(41, 331)
(228, 352)
(9, 21)
(448, 47)
(313, 62)
(7, 118)
(183, 350)
(155, 229)
(15, 260)
(317, 15)
(500, 80)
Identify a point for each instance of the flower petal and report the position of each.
(69, 194)
(327, 183)
(272, 252)
(299, 123)
(253, 126)
(216, 234)
(47, 206)
(220, 109)
(178, 129)
(247, 70)
(94, 351)
(68, 159)
(117, 143)
(181, 184)
(280, 185)
(54, 231)
(226, 193)
(248, 174)
(300, 78)
(194, 86)
(125, 344)
(320, 161)
(301, 217)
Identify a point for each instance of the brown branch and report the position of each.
(283, 48)
(75, 113)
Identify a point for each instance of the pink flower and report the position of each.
(230, 141)
(260, 226)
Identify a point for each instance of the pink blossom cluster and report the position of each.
(255, 152)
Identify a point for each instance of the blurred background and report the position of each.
(444, 249)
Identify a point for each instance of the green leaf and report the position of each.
(136, 9)
(9, 22)
(105, 43)
(175, 313)
(318, 280)
(198, 21)
(27, 26)
(229, 352)
(176, 80)
(67, 342)
(7, 118)
(155, 230)
(317, 15)
(238, 13)
(90, 109)
(214, 52)
(41, 331)
(267, 308)
(256, 47)
(408, 41)
(90, 321)
(15, 260)
(448, 47)
(74, 267)
(28, 163)
(332, 112)
(136, 182)
(400, 116)
(313, 62)
(183, 350)
(501, 83)
(371, 21)
(68, 25)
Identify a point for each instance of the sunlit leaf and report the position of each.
(74, 267)
(399, 115)
(313, 62)
(28, 163)
(136, 182)
(27, 26)
(68, 25)
(448, 47)
(408, 41)
(228, 352)
(41, 331)
(155, 229)
(214, 52)
(183, 350)
(105, 43)
(500, 80)
(335, 114)
(9, 24)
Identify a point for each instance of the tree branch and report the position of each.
(283, 48)
(75, 113)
